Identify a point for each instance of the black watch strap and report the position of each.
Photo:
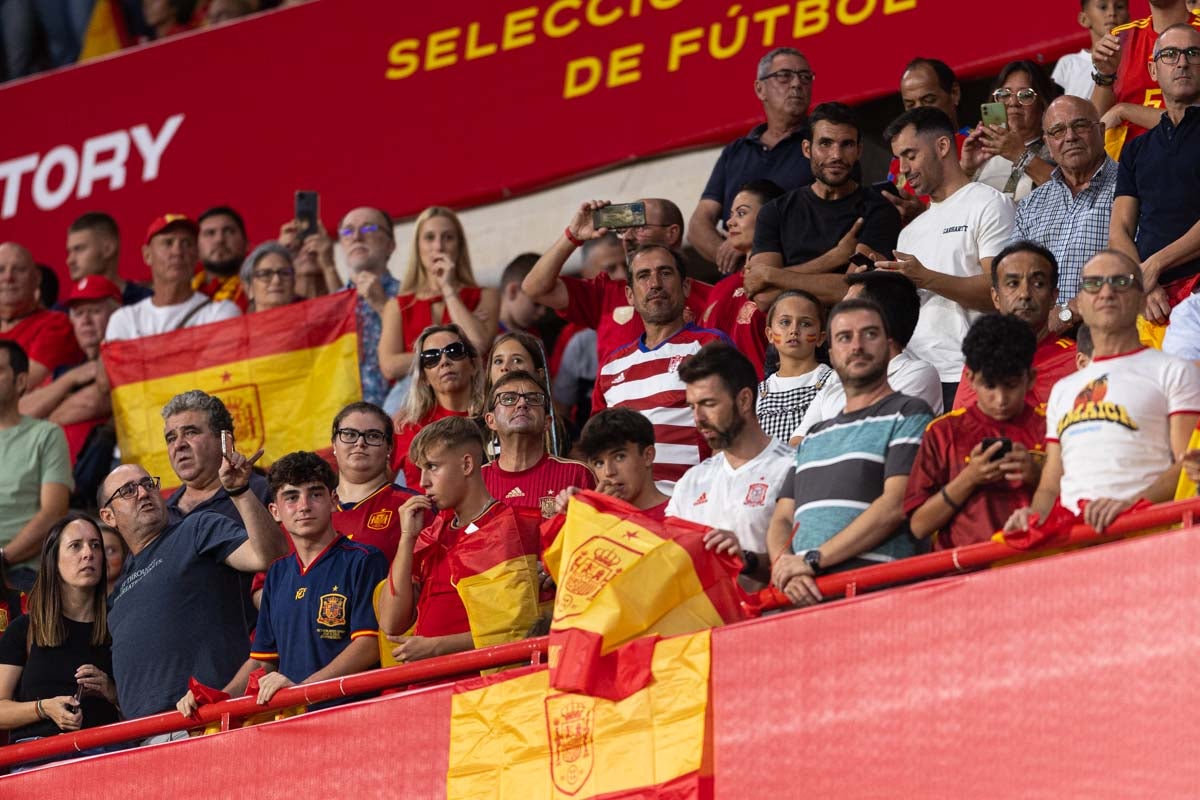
(813, 559)
(749, 562)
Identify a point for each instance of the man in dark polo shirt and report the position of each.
(804, 239)
(1157, 204)
(771, 150)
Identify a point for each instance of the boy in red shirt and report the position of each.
(977, 464)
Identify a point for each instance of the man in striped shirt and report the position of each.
(842, 507)
(644, 374)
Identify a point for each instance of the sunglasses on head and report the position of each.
(455, 351)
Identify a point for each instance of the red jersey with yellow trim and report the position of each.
(537, 486)
(731, 311)
(403, 440)
(374, 520)
(1054, 360)
(945, 448)
(1134, 84)
(600, 303)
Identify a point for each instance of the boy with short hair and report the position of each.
(979, 463)
(1074, 71)
(618, 444)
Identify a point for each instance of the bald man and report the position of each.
(45, 335)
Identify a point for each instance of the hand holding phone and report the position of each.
(1005, 447)
(307, 211)
(621, 215)
(862, 260)
(994, 114)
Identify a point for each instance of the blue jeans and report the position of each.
(65, 23)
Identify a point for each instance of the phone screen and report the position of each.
(622, 215)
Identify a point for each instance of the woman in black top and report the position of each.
(55, 661)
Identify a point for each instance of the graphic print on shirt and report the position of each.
(1090, 406)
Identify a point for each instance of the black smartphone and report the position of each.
(621, 215)
(862, 260)
(307, 210)
(1005, 447)
(886, 186)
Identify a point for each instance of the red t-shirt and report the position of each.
(374, 520)
(47, 338)
(659, 512)
(1054, 359)
(404, 437)
(947, 443)
(417, 314)
(537, 486)
(731, 311)
(600, 303)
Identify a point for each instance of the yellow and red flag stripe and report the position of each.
(283, 374)
(106, 31)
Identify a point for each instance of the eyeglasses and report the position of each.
(636, 229)
(455, 351)
(268, 275)
(349, 231)
(512, 398)
(1120, 283)
(128, 490)
(1081, 127)
(1170, 55)
(1025, 97)
(373, 438)
(784, 77)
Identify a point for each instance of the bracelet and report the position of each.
(40, 712)
(946, 497)
(571, 237)
(1101, 79)
(236, 492)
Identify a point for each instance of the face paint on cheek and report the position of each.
(811, 338)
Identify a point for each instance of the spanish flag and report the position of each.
(106, 31)
(621, 576)
(283, 374)
(517, 737)
(1187, 487)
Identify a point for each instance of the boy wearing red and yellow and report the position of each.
(473, 538)
(959, 490)
(316, 620)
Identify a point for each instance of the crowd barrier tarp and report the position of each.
(403, 105)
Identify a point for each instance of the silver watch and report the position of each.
(1064, 313)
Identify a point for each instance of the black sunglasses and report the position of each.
(455, 351)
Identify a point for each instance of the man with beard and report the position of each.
(733, 490)
(842, 506)
(222, 242)
(643, 375)
(805, 239)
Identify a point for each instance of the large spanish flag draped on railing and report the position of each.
(283, 374)
(621, 576)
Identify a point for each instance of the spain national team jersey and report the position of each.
(944, 452)
(1054, 359)
(309, 615)
(647, 380)
(538, 486)
(374, 520)
(731, 311)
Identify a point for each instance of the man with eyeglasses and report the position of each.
(170, 252)
(177, 611)
(772, 150)
(1113, 428)
(1125, 94)
(525, 474)
(1157, 203)
(1069, 214)
(222, 246)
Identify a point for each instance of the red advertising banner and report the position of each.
(404, 105)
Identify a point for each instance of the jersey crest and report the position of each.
(380, 520)
(756, 495)
(332, 610)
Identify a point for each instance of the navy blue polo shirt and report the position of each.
(748, 159)
(1161, 169)
(309, 616)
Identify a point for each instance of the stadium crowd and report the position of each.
(1003, 325)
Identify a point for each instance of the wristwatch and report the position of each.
(813, 559)
(1101, 79)
(1064, 313)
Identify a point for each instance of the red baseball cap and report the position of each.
(92, 287)
(166, 221)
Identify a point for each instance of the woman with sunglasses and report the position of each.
(1013, 159)
(445, 381)
(438, 289)
(56, 660)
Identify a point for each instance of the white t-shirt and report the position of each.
(1111, 421)
(905, 374)
(1074, 73)
(952, 237)
(146, 319)
(1182, 338)
(741, 500)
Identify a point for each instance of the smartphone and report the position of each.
(994, 114)
(622, 215)
(862, 260)
(886, 186)
(1005, 447)
(307, 210)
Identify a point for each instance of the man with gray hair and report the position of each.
(771, 150)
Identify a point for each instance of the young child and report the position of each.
(1074, 72)
(977, 464)
(796, 326)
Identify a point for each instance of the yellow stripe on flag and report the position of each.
(1186, 487)
(501, 602)
(105, 33)
(517, 738)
